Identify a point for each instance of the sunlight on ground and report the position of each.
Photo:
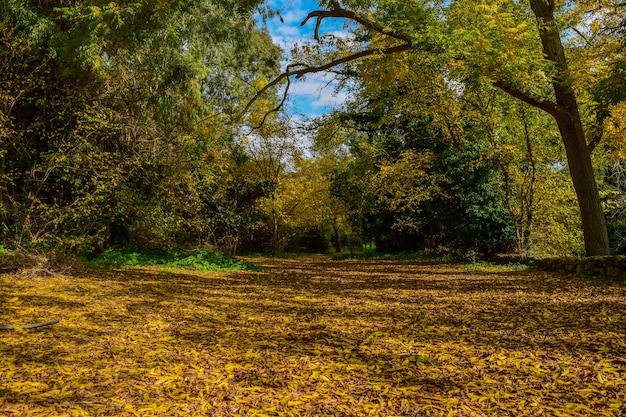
(311, 337)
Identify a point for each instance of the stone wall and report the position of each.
(612, 267)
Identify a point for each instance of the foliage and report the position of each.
(616, 204)
(412, 186)
(470, 216)
(309, 337)
(199, 260)
(116, 121)
(296, 208)
(429, 104)
(553, 56)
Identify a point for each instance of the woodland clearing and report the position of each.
(314, 337)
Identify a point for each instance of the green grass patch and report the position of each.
(484, 266)
(199, 260)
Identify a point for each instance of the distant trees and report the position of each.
(472, 127)
(409, 188)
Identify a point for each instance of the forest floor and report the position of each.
(314, 337)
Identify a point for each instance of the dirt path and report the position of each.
(311, 337)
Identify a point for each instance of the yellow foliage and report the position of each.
(405, 183)
(615, 130)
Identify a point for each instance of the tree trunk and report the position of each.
(570, 127)
(336, 235)
(275, 236)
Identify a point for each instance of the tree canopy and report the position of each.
(554, 57)
(472, 127)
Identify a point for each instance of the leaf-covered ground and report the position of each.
(314, 337)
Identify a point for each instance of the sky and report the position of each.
(315, 95)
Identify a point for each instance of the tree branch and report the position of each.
(338, 12)
(306, 69)
(534, 100)
(300, 69)
(275, 109)
(28, 326)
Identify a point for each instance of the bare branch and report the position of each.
(275, 109)
(582, 35)
(28, 326)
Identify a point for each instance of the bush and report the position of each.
(199, 260)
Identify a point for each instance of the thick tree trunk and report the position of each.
(570, 126)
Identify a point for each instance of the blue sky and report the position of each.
(313, 96)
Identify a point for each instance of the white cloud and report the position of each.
(330, 99)
(294, 17)
(316, 95)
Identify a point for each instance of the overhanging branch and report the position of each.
(303, 69)
(300, 69)
(338, 12)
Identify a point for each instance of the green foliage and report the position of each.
(114, 121)
(549, 55)
(211, 261)
(482, 266)
(469, 216)
(411, 188)
(199, 260)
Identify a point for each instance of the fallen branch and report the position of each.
(28, 326)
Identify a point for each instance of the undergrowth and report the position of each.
(399, 256)
(199, 260)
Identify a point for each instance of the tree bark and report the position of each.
(336, 235)
(570, 126)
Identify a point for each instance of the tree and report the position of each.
(491, 43)
(567, 115)
(116, 118)
(299, 197)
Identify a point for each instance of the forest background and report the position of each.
(157, 125)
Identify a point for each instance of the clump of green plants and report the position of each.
(205, 260)
(199, 260)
